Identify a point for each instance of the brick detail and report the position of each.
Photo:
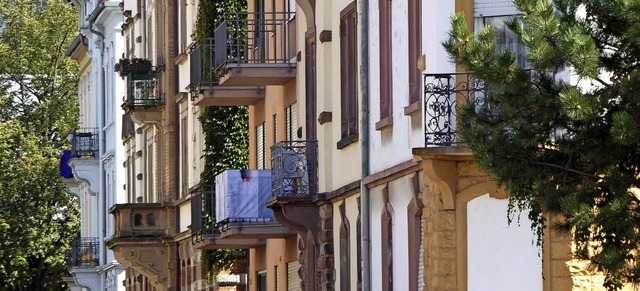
(439, 242)
(325, 268)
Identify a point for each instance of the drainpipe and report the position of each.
(364, 124)
(101, 147)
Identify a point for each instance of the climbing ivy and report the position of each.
(225, 132)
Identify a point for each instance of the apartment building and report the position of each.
(385, 198)
(95, 151)
(250, 59)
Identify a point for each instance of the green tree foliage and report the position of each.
(38, 108)
(559, 148)
(225, 131)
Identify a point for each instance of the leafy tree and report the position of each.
(225, 131)
(38, 108)
(561, 148)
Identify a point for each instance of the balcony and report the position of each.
(84, 143)
(444, 94)
(83, 253)
(139, 241)
(204, 83)
(80, 164)
(144, 98)
(139, 220)
(259, 49)
(83, 260)
(294, 166)
(238, 202)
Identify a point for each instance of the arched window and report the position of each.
(387, 241)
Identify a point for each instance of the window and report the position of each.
(262, 281)
(345, 254)
(260, 147)
(275, 128)
(387, 242)
(385, 63)
(348, 75)
(494, 13)
(507, 39)
(150, 178)
(291, 120)
(183, 26)
(184, 152)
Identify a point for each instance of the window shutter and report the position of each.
(344, 73)
(494, 8)
(260, 157)
(293, 280)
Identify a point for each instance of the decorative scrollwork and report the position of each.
(444, 95)
(294, 167)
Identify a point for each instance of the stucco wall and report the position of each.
(500, 256)
(399, 198)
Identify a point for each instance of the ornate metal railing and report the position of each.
(84, 143)
(143, 90)
(254, 38)
(444, 94)
(294, 168)
(84, 253)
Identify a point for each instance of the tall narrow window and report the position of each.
(262, 281)
(385, 64)
(151, 193)
(387, 242)
(260, 147)
(291, 119)
(183, 25)
(184, 156)
(415, 234)
(275, 128)
(345, 253)
(348, 73)
(277, 277)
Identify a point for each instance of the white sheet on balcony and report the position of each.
(243, 194)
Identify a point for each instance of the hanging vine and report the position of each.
(225, 132)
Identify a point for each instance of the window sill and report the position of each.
(343, 143)
(385, 122)
(412, 108)
(181, 58)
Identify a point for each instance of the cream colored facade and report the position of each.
(429, 223)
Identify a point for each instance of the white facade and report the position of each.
(100, 180)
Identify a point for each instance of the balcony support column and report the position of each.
(314, 225)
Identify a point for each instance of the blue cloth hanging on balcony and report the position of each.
(65, 169)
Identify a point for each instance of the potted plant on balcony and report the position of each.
(126, 66)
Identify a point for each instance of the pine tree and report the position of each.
(559, 148)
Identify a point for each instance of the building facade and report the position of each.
(357, 179)
(96, 151)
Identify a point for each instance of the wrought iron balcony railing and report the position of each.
(203, 220)
(84, 143)
(238, 198)
(203, 73)
(444, 94)
(294, 168)
(254, 38)
(143, 90)
(84, 253)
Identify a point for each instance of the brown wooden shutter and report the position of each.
(344, 72)
(385, 58)
(353, 73)
(348, 72)
(415, 47)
